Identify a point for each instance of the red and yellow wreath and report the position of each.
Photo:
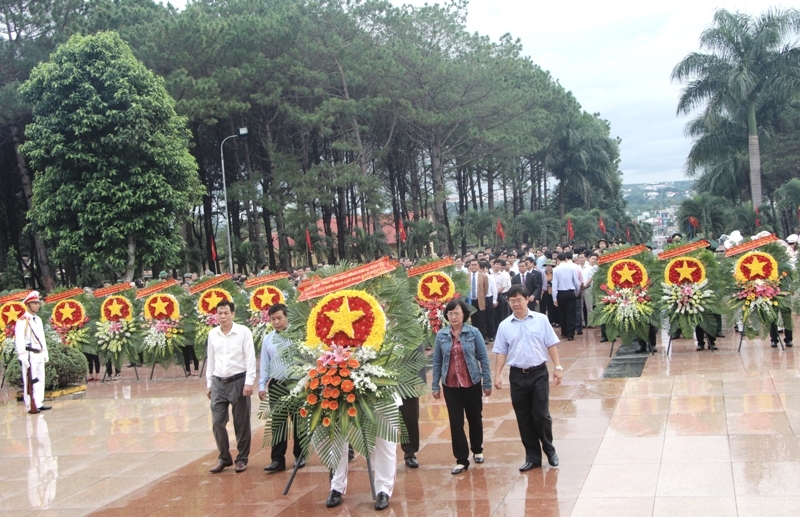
(627, 273)
(116, 308)
(10, 313)
(756, 265)
(265, 297)
(68, 314)
(684, 270)
(436, 287)
(348, 318)
(207, 304)
(162, 306)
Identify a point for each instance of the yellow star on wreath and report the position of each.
(213, 299)
(160, 306)
(626, 270)
(67, 311)
(440, 287)
(115, 308)
(686, 271)
(11, 313)
(435, 286)
(368, 330)
(266, 298)
(626, 274)
(756, 267)
(343, 319)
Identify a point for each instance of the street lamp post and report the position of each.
(242, 132)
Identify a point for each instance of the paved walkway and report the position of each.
(699, 433)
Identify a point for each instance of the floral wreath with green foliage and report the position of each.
(691, 286)
(339, 391)
(205, 316)
(262, 298)
(116, 330)
(760, 289)
(163, 321)
(624, 302)
(69, 318)
(10, 312)
(431, 311)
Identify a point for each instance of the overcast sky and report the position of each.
(616, 57)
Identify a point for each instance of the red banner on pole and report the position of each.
(401, 230)
(570, 230)
(601, 225)
(308, 241)
(499, 230)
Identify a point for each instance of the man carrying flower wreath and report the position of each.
(272, 374)
(230, 377)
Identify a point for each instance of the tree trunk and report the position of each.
(25, 177)
(130, 267)
(755, 157)
(439, 195)
(490, 187)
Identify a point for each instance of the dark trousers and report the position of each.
(461, 401)
(410, 413)
(224, 394)
(108, 369)
(190, 356)
(773, 334)
(579, 313)
(94, 362)
(478, 319)
(501, 312)
(490, 326)
(701, 334)
(278, 452)
(566, 306)
(651, 335)
(530, 394)
(548, 305)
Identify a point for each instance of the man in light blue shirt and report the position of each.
(274, 371)
(526, 341)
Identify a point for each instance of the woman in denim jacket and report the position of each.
(461, 364)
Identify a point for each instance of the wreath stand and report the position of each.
(780, 341)
(669, 345)
(135, 370)
(369, 471)
(4, 378)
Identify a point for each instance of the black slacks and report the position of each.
(410, 413)
(461, 401)
(278, 452)
(566, 307)
(530, 398)
(189, 357)
(224, 394)
(773, 334)
(478, 318)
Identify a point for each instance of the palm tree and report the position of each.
(751, 61)
(538, 227)
(710, 212)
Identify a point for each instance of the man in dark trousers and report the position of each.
(566, 285)
(478, 290)
(409, 410)
(230, 378)
(530, 280)
(526, 341)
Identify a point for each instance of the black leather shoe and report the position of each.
(720, 334)
(351, 455)
(700, 347)
(789, 344)
(579, 333)
(45, 408)
(641, 350)
(275, 466)
(529, 466)
(300, 462)
(382, 501)
(334, 499)
(774, 344)
(553, 459)
(604, 340)
(412, 463)
(712, 346)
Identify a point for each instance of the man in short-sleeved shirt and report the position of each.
(526, 341)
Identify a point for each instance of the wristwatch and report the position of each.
(559, 367)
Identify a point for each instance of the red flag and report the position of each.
(693, 221)
(402, 231)
(570, 230)
(758, 223)
(213, 249)
(601, 225)
(628, 233)
(308, 240)
(499, 230)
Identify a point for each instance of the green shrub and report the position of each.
(67, 366)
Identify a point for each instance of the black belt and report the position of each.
(231, 379)
(34, 350)
(530, 369)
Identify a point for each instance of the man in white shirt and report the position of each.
(32, 352)
(491, 299)
(272, 374)
(230, 377)
(589, 269)
(503, 282)
(566, 285)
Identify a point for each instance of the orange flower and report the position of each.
(333, 406)
(351, 398)
(314, 384)
(326, 404)
(344, 372)
(352, 411)
(311, 399)
(335, 394)
(326, 421)
(312, 372)
(321, 370)
(342, 364)
(303, 412)
(326, 380)
(326, 393)
(347, 386)
(336, 381)
(353, 363)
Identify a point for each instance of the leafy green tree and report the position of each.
(115, 176)
(750, 62)
(12, 276)
(710, 211)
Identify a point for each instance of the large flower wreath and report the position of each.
(261, 299)
(689, 298)
(10, 314)
(69, 319)
(432, 291)
(355, 356)
(759, 291)
(207, 313)
(163, 334)
(116, 332)
(625, 301)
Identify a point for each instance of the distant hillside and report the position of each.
(649, 197)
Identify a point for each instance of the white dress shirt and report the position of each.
(565, 278)
(29, 332)
(588, 272)
(273, 366)
(230, 354)
(502, 280)
(492, 289)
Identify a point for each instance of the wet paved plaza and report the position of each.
(699, 433)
